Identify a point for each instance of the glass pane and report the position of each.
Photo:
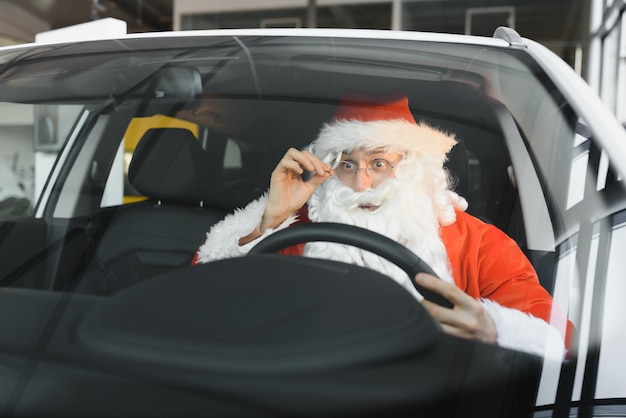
(362, 16)
(17, 160)
(610, 65)
(612, 363)
(32, 136)
(621, 77)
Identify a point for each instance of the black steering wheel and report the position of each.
(362, 238)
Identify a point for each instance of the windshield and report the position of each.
(279, 91)
(119, 156)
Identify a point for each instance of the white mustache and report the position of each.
(350, 199)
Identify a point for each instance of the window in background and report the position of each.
(359, 16)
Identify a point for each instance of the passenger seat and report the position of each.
(145, 239)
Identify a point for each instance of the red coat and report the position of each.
(487, 263)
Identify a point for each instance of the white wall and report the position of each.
(18, 25)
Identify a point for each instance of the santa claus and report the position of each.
(375, 167)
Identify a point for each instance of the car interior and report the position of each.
(143, 240)
(208, 177)
(122, 273)
(187, 194)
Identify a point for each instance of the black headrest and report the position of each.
(169, 164)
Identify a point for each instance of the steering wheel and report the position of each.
(362, 238)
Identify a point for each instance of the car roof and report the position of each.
(499, 41)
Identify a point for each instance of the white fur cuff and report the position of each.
(222, 240)
(523, 332)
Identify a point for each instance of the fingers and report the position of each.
(453, 322)
(288, 190)
(441, 314)
(468, 319)
(445, 289)
(456, 331)
(299, 161)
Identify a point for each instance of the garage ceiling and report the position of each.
(140, 15)
(552, 20)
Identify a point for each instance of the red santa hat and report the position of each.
(374, 121)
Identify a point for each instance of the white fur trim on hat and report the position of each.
(397, 135)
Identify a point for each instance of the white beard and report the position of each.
(405, 215)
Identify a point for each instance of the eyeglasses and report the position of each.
(378, 169)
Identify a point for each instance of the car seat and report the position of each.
(457, 165)
(145, 239)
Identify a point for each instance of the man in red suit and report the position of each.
(375, 167)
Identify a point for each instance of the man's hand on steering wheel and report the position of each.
(467, 319)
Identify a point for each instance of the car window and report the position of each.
(16, 163)
(612, 308)
(588, 200)
(232, 155)
(594, 222)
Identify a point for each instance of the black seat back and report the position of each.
(170, 165)
(145, 239)
(457, 165)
